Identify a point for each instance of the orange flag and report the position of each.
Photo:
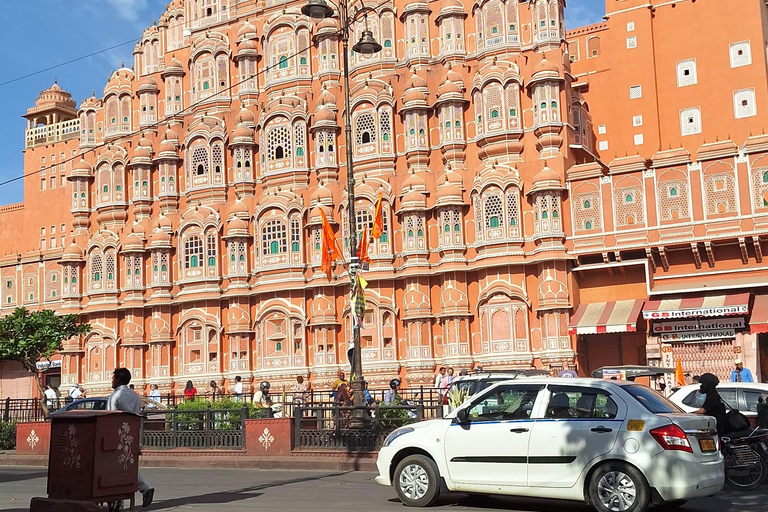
(362, 249)
(679, 375)
(328, 247)
(378, 220)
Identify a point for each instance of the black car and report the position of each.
(88, 404)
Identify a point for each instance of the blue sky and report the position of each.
(37, 34)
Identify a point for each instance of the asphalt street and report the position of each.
(316, 491)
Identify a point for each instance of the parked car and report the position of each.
(742, 396)
(91, 404)
(470, 385)
(613, 444)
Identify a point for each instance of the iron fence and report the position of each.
(217, 429)
(328, 427)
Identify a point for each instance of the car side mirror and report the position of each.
(462, 415)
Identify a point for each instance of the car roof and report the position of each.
(756, 385)
(565, 381)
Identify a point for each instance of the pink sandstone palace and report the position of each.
(552, 199)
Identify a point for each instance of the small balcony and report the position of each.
(52, 133)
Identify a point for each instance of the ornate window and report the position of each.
(414, 239)
(273, 237)
(546, 214)
(328, 50)
(690, 121)
(281, 55)
(211, 250)
(760, 188)
(451, 35)
(504, 325)
(193, 256)
(720, 194)
(629, 207)
(97, 272)
(594, 47)
(160, 275)
(673, 200)
(417, 36)
(497, 215)
(451, 228)
(383, 28)
(587, 212)
(173, 102)
(295, 235)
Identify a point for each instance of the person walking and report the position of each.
(300, 391)
(741, 374)
(50, 397)
(214, 391)
(154, 396)
(125, 399)
(439, 380)
(189, 391)
(237, 392)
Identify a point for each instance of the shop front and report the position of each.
(608, 334)
(706, 332)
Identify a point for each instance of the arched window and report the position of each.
(765, 177)
(629, 198)
(283, 62)
(210, 242)
(588, 224)
(387, 43)
(587, 205)
(303, 61)
(193, 252)
(295, 235)
(673, 191)
(494, 114)
(274, 237)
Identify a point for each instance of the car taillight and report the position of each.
(672, 437)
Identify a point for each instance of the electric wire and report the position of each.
(183, 111)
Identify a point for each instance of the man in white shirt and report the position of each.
(154, 395)
(238, 391)
(50, 397)
(75, 392)
(125, 399)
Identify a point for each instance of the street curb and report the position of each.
(318, 461)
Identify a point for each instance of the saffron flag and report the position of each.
(358, 301)
(679, 375)
(378, 220)
(328, 246)
(362, 249)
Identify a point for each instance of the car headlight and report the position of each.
(397, 433)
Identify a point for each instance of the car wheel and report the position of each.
(618, 487)
(417, 481)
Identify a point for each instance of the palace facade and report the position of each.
(552, 198)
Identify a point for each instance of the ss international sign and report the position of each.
(698, 335)
(698, 325)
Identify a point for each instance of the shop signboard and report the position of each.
(712, 324)
(740, 309)
(679, 337)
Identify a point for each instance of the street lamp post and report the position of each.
(318, 10)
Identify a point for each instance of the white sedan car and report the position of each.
(616, 445)
(742, 396)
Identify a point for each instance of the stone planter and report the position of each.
(269, 436)
(33, 438)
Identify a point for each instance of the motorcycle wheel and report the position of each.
(746, 478)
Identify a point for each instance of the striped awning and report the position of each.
(604, 317)
(730, 304)
(759, 320)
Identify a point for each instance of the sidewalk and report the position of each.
(326, 461)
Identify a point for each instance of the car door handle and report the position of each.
(518, 430)
(601, 429)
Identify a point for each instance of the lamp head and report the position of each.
(367, 45)
(317, 10)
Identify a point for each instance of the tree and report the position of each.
(28, 337)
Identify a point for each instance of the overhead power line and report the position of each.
(66, 63)
(190, 107)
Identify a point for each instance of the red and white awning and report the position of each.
(759, 320)
(605, 317)
(695, 307)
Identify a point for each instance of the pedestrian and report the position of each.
(74, 393)
(237, 392)
(445, 386)
(300, 391)
(337, 383)
(189, 391)
(214, 390)
(439, 379)
(125, 399)
(50, 397)
(132, 388)
(368, 397)
(154, 395)
(741, 374)
(392, 393)
(345, 400)
(713, 404)
(262, 398)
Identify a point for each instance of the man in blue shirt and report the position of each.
(741, 374)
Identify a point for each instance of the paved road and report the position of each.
(318, 491)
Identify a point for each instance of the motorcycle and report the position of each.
(746, 459)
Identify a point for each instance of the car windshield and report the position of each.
(651, 400)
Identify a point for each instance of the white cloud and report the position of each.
(129, 9)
